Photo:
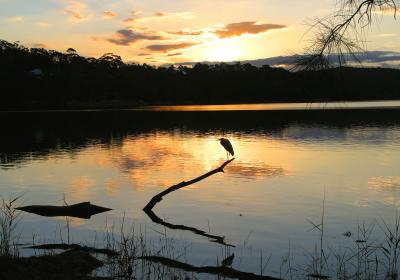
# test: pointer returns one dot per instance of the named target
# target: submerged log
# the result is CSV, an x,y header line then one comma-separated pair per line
x,y
224,271
77,247
83,210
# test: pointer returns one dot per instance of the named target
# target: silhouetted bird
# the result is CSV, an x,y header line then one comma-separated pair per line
x,y
227,145
228,261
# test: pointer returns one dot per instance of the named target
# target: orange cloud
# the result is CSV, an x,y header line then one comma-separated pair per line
x,y
126,37
77,11
134,15
246,27
74,14
186,33
175,54
159,16
169,47
129,20
109,14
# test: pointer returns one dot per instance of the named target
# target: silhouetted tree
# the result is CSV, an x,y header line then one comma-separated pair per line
x,y
39,78
343,32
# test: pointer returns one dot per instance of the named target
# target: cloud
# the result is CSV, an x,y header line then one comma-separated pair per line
x,y
134,15
175,54
109,14
43,24
158,16
186,33
38,46
15,19
128,21
77,11
126,37
246,27
386,35
169,47
75,15
386,10
387,59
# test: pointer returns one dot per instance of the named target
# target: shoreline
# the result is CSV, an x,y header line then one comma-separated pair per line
x,y
259,106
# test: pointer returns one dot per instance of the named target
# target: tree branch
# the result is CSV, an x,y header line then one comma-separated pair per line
x,y
148,209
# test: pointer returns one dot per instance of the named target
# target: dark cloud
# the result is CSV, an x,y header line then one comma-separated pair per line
x,y
374,58
126,37
129,20
175,54
246,27
387,59
169,47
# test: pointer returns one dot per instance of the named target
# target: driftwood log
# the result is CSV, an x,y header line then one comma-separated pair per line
x,y
148,209
83,210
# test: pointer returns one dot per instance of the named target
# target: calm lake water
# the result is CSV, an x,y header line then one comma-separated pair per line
x,y
286,161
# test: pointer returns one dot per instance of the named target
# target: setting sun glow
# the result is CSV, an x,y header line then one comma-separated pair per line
x,y
223,52
165,32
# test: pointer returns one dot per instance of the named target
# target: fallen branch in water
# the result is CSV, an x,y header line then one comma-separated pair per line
x,y
219,270
157,198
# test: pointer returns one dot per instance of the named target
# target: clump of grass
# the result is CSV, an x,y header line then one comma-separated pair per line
x,y
131,245
9,219
367,257
391,247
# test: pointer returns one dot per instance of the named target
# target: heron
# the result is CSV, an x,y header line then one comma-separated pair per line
x,y
227,146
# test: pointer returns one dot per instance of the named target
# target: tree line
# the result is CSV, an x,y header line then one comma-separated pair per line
x,y
37,78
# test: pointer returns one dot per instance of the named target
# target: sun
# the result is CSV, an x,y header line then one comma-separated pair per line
x,y
223,52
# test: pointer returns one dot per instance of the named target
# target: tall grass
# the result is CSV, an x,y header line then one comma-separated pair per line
x,y
365,256
9,219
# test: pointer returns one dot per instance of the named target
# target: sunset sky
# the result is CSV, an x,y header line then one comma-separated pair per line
x,y
159,31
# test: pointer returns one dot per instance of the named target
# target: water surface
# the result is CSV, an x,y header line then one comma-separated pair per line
x,y
286,162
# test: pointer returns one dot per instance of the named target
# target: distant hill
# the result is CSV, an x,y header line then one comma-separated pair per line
x,y
379,59
37,78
